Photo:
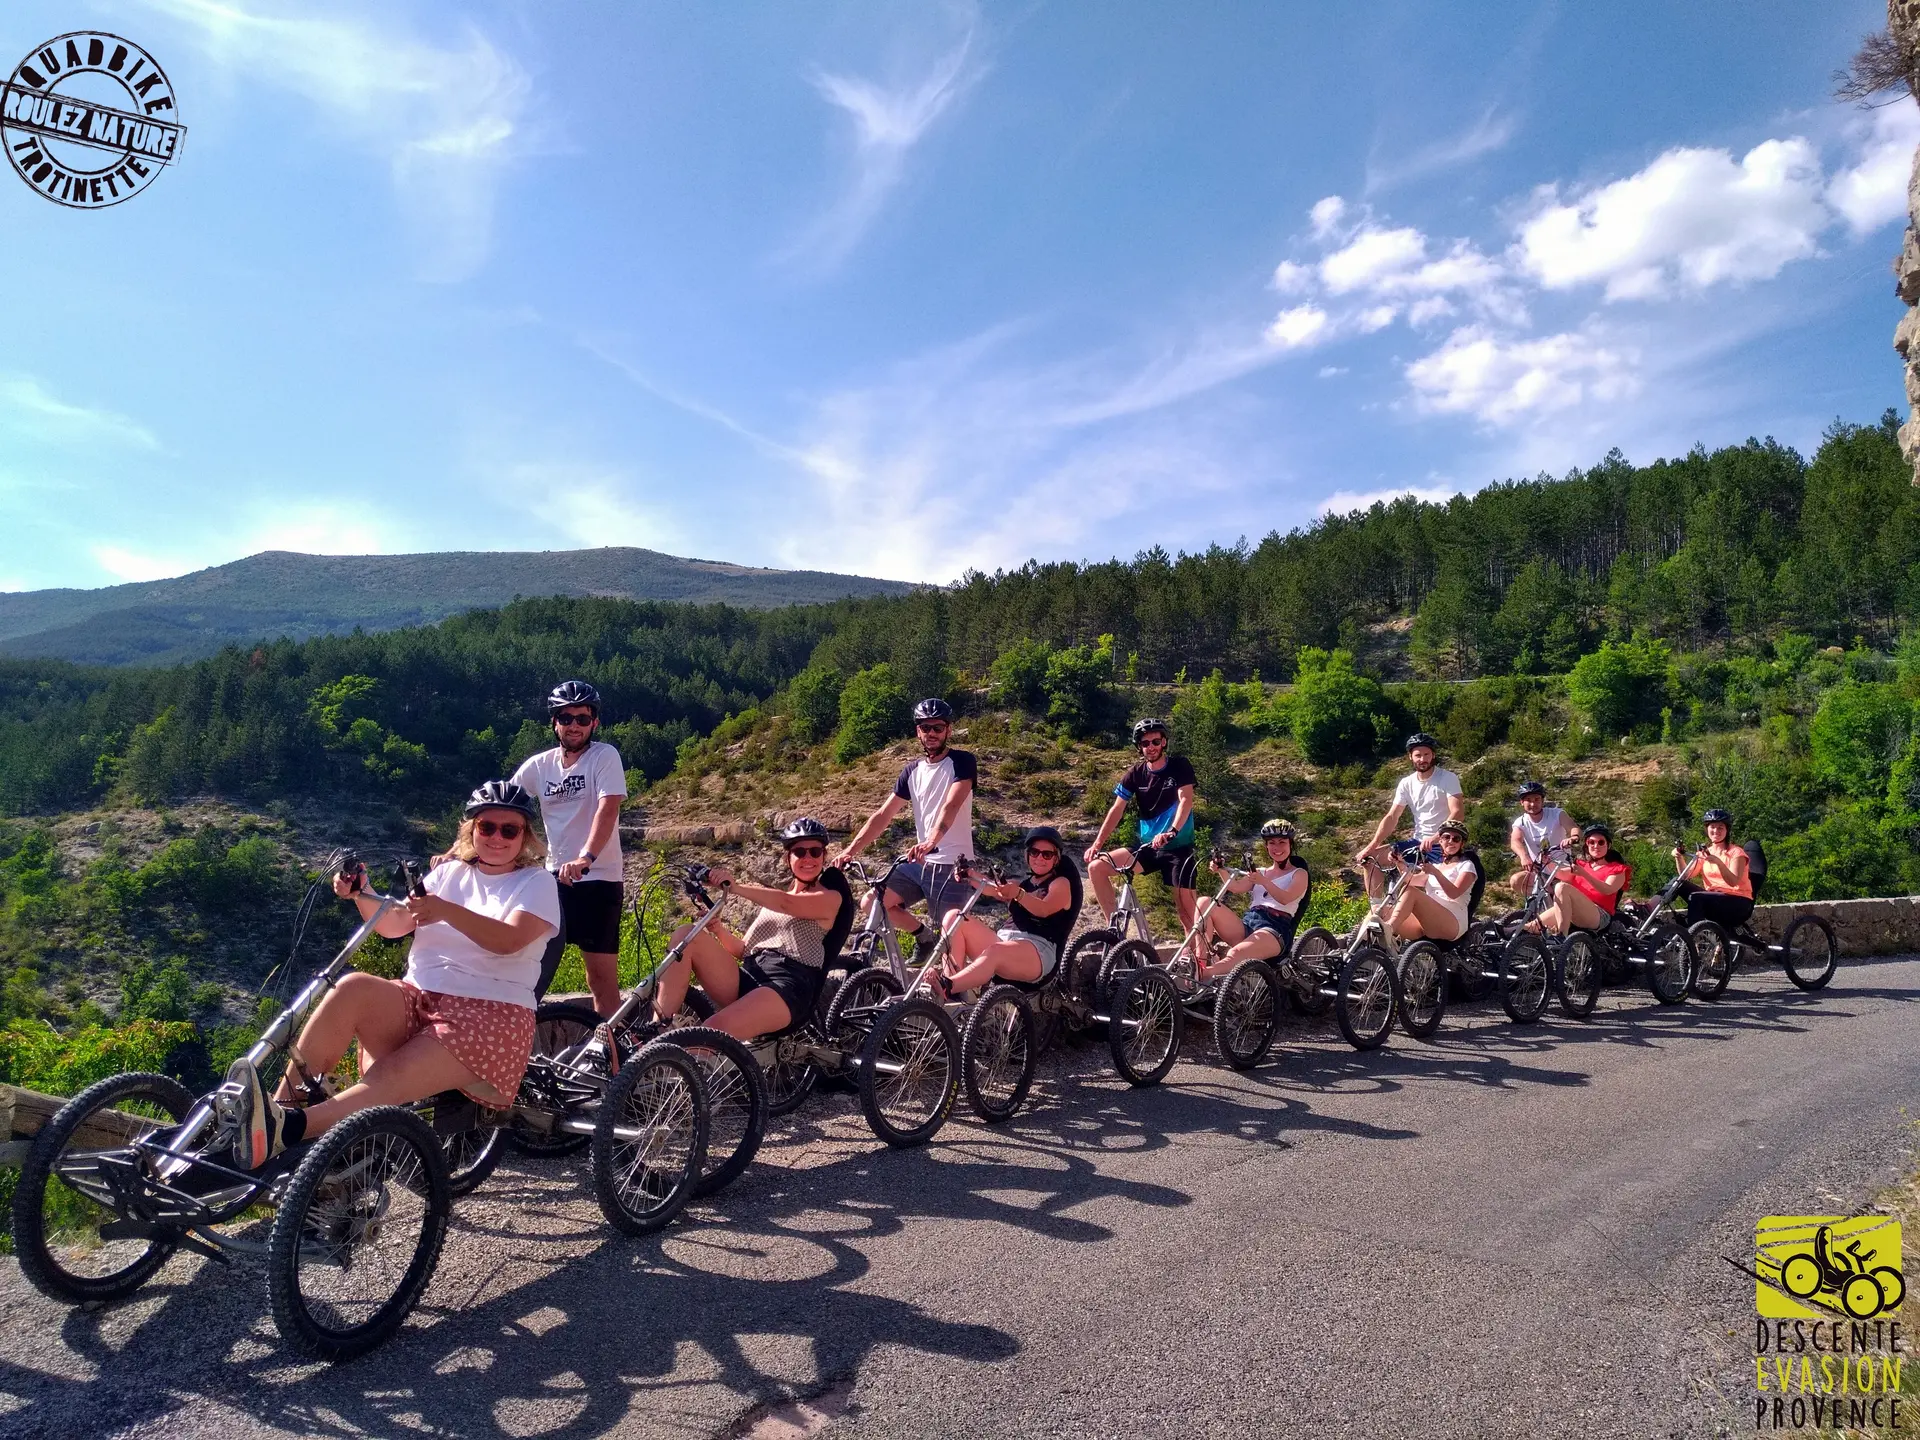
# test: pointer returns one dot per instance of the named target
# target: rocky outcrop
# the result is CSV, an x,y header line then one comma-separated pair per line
x,y
1903,26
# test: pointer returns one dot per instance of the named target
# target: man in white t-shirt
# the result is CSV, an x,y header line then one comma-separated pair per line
x,y
1538,828
1431,795
939,787
580,785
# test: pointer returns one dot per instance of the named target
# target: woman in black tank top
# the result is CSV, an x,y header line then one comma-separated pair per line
x,y
1042,907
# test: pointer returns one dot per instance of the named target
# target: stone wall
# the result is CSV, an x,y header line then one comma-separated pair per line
x,y
1863,927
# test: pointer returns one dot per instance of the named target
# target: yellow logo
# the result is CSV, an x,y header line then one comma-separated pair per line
x,y
1827,1266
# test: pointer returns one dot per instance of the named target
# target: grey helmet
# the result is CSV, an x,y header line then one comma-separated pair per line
x,y
1145,727
932,708
501,795
1532,787
573,692
804,828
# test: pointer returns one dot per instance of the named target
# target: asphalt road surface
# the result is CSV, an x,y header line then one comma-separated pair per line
x,y
1499,1233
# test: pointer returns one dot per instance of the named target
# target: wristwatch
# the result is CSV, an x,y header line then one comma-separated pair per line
x,y
588,856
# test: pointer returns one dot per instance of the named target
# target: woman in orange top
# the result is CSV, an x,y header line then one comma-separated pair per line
x,y
1585,892
1725,891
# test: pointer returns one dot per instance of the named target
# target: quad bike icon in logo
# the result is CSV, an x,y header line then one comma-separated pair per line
x,y
1843,1269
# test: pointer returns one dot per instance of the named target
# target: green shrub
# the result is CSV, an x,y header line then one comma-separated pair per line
x,y
874,709
1335,707
1622,687
1201,720
1853,852
1856,734
1077,686
35,1055
1476,721
1018,675
813,702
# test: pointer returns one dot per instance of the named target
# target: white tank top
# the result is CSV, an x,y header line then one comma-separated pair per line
x,y
1264,899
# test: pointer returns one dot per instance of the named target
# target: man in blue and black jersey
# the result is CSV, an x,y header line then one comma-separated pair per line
x,y
1160,788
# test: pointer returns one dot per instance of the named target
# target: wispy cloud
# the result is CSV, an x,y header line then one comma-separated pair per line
x,y
1487,134
27,408
131,565
446,118
1345,502
888,121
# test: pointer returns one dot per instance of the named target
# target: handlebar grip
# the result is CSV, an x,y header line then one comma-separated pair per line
x,y
414,885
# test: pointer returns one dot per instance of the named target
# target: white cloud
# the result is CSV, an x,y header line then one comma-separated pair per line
x,y
1326,216
1489,133
1434,307
11,584
1372,256
27,408
1873,192
445,118
887,123
1291,278
1694,217
129,565
1300,326
1499,381
1327,372
1376,318
316,530
1345,502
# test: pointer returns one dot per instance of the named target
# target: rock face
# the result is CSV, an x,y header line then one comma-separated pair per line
x,y
1903,25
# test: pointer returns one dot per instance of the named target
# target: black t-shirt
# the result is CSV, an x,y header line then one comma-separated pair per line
x,y
1057,926
1155,793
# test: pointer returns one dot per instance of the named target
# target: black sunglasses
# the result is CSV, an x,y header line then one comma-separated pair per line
x,y
575,717
808,852
506,830
1043,852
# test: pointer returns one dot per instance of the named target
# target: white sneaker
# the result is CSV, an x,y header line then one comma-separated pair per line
x,y
258,1122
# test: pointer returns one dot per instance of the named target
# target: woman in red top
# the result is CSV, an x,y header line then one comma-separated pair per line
x,y
1585,892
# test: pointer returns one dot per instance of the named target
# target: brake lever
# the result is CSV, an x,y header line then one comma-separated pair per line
x,y
410,878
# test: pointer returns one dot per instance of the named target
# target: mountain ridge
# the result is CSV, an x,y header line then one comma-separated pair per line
x,y
287,593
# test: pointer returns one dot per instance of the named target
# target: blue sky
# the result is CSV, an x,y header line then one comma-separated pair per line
x,y
905,290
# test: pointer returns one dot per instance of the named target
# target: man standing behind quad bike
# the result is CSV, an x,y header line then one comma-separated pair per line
x,y
580,785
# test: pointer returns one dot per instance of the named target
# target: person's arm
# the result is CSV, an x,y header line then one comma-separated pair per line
x,y
1182,812
1050,901
1239,884
876,822
1114,812
956,796
1605,884
1290,885
819,906
1519,847
393,925
501,937
606,816
1451,888
1456,806
1731,871
1389,822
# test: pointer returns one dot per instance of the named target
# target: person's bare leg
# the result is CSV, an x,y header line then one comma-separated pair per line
x,y
1434,920
419,1068
1260,945
361,1006
758,1012
603,979
671,991
1003,959
1100,877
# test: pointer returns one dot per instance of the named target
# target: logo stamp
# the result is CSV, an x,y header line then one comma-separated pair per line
x,y
88,120
1814,1266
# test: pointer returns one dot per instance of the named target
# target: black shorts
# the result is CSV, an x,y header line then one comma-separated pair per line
x,y
590,915
1729,912
1259,918
1175,864
798,985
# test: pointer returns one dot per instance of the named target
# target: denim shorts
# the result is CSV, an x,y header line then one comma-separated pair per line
x,y
1411,850
931,881
1049,956
1259,918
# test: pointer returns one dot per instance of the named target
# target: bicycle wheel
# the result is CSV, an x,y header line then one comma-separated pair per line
x,y
1080,966
1307,969
1146,1025
1127,955
997,1053
1713,959
1246,1012
650,1139
1526,977
558,1026
471,1155
1576,976
909,1072
56,1215
736,1103
1365,997
357,1235
1670,962
861,1000
1476,964
1809,953
1423,988
791,1073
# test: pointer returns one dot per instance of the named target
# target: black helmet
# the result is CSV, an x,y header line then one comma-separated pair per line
x,y
804,828
573,692
1419,738
1146,727
1718,816
1452,827
1531,787
1278,830
932,708
1046,833
501,795
1598,827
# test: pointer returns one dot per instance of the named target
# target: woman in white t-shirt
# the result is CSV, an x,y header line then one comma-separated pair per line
x,y
460,1019
1434,901
1275,893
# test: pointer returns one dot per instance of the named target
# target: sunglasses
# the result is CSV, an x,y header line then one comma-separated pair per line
x,y
932,727
1152,744
808,852
576,717
506,830
1041,852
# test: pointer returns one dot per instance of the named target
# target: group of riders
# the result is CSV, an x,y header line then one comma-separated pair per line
x,y
495,911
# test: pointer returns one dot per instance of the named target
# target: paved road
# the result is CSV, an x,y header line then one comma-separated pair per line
x,y
1502,1233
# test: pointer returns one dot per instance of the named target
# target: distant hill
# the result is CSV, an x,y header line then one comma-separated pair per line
x,y
277,592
